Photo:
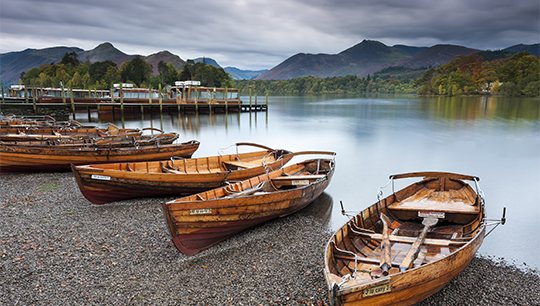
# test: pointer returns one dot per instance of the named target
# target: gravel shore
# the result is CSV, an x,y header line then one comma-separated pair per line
x,y
59,249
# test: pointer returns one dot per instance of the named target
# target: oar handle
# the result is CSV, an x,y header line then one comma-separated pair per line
x,y
386,261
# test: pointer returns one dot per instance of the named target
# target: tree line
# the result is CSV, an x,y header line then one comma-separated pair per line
x,y
70,72
517,75
341,85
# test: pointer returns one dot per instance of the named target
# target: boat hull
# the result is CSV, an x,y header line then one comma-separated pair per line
x,y
411,287
197,225
27,159
194,242
102,184
408,245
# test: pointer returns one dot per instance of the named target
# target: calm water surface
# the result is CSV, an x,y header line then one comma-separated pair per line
x,y
496,139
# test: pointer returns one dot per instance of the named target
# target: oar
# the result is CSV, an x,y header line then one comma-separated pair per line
x,y
386,262
415,248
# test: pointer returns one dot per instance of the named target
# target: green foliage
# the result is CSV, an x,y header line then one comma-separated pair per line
x,y
102,75
518,75
313,85
137,71
101,70
70,59
208,75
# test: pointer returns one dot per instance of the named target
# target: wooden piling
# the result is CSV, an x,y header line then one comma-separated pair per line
x,y
160,99
250,98
121,93
71,96
196,95
63,93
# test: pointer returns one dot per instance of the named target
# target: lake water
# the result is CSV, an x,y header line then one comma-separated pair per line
x,y
496,139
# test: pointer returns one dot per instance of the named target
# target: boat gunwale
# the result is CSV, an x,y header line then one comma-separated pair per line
x,y
349,287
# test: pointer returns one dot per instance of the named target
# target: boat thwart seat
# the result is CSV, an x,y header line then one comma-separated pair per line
x,y
452,205
239,164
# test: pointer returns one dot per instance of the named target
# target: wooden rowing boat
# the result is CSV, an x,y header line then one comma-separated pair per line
x,y
199,221
94,142
408,245
47,132
56,158
104,183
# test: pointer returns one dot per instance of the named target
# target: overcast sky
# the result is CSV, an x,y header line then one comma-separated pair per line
x,y
260,34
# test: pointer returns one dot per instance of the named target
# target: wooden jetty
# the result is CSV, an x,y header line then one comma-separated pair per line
x,y
186,96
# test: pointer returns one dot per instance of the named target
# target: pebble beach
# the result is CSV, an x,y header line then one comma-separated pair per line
x,y
56,248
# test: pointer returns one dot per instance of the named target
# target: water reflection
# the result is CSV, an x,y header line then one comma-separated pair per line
x,y
494,138
484,108
320,209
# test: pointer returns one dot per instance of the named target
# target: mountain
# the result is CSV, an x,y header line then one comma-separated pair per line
x,y
532,49
238,74
166,57
13,63
207,61
104,52
361,59
435,56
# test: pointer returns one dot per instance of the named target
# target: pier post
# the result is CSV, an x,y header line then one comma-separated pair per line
x,y
196,105
25,94
121,93
226,99
71,96
63,93
3,100
250,88
160,99
267,99
33,95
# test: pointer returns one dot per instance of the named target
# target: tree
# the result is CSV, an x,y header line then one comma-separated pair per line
x,y
86,81
137,70
162,70
111,76
98,70
76,80
70,59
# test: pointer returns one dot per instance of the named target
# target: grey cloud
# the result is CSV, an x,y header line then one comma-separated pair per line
x,y
257,34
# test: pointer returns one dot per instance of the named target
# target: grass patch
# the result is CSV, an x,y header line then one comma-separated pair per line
x,y
49,187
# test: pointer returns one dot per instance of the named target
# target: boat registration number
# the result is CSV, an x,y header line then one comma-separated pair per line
x,y
101,177
201,211
300,182
427,214
377,290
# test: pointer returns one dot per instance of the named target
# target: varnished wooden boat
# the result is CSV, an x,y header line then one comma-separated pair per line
x,y
56,158
104,183
199,221
94,142
53,132
408,245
